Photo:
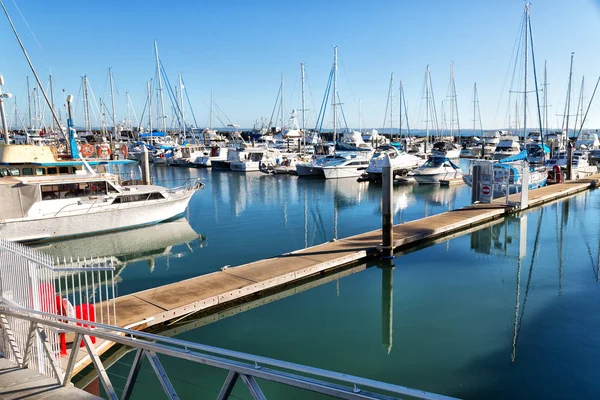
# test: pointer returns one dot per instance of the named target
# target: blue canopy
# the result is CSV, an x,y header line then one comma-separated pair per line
x,y
517,157
157,134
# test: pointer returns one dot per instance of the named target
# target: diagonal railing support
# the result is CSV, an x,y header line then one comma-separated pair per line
x,y
104,379
161,374
10,337
228,385
28,345
253,387
133,374
71,362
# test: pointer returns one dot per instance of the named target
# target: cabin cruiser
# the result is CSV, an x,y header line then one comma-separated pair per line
x,y
352,166
184,156
216,153
256,159
587,140
45,208
48,197
436,169
445,149
557,141
506,147
401,162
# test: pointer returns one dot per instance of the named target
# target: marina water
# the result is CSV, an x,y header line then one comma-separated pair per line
x,y
505,311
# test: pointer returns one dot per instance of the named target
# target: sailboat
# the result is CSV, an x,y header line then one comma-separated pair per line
x,y
508,154
446,148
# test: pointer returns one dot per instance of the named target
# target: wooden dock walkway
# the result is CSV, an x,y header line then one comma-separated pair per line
x,y
181,299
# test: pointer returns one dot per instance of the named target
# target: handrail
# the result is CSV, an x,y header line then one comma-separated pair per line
x,y
183,349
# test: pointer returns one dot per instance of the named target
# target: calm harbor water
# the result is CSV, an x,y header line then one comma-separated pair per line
x,y
506,311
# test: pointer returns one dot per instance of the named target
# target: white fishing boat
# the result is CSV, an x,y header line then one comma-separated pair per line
x,y
587,140
256,159
445,149
401,162
216,153
507,146
184,156
436,169
490,141
352,166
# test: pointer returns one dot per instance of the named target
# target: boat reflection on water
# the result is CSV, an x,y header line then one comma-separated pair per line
x,y
125,247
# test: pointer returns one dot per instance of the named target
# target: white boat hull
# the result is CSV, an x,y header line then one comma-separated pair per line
x,y
436,178
342,172
246,166
112,217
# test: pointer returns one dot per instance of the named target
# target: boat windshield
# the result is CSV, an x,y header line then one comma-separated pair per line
x,y
437,163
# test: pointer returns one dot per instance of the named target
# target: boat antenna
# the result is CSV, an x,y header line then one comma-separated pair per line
x,y
54,116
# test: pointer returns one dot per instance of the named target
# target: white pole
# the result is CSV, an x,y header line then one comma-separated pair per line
x,y
114,116
2,114
335,94
303,107
181,103
160,89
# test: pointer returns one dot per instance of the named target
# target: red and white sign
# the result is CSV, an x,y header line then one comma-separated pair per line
x,y
485,190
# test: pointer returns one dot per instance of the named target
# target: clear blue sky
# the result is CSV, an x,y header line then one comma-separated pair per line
x,y
238,49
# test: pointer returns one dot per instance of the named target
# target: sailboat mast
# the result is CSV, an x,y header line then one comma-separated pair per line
x,y
282,105
112,99
103,117
569,96
149,107
303,107
160,90
451,100
210,122
474,105
392,91
181,104
579,106
29,102
546,97
526,65
400,111
360,115
86,104
52,101
335,94
427,106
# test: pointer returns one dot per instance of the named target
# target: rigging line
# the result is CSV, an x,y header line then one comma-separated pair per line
x,y
97,117
516,46
225,115
588,108
529,276
30,30
323,108
189,102
537,93
275,106
348,81
387,104
171,94
342,110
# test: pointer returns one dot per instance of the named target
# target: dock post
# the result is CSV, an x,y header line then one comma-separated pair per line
x,y
387,217
145,166
569,160
482,148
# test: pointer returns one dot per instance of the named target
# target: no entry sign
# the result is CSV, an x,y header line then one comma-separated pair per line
x,y
486,190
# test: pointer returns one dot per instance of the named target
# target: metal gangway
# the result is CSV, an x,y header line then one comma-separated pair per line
x,y
32,324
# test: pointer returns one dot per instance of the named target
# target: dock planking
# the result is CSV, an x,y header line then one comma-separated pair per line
x,y
172,301
182,299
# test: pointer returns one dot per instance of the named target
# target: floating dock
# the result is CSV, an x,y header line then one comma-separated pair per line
x,y
219,289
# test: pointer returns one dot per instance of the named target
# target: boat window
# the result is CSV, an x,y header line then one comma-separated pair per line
x,y
14,171
51,171
432,163
130,198
63,170
256,156
4,172
39,171
27,171
70,190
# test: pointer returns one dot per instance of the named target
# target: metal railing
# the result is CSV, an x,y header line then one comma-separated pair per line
x,y
32,280
31,319
240,366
